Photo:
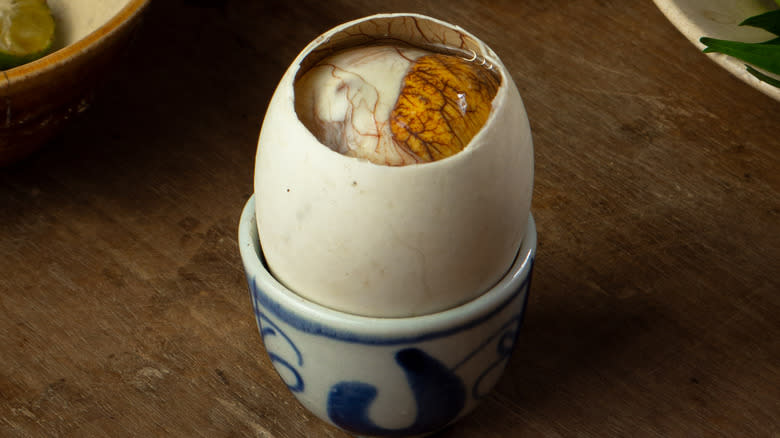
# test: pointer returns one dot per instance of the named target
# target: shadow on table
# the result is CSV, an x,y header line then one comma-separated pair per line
x,y
574,355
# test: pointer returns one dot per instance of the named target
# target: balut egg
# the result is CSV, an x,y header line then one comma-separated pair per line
x,y
394,169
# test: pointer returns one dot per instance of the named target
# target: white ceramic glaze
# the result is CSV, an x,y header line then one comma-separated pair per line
x,y
393,241
76,19
387,376
720,19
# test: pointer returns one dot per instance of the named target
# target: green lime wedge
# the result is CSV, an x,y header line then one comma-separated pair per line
x,y
26,31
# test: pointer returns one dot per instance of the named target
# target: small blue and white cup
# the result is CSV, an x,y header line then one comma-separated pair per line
x,y
398,377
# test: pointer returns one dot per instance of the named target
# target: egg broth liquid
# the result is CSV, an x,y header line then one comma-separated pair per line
x,y
396,104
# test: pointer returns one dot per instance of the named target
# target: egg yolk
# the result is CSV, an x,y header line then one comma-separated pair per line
x,y
395,105
444,102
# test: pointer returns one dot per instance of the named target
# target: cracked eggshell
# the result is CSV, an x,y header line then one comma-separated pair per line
x,y
392,241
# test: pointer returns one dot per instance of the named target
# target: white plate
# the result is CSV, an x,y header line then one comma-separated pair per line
x,y
720,19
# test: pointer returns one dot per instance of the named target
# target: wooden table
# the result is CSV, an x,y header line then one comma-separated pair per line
x,y
655,308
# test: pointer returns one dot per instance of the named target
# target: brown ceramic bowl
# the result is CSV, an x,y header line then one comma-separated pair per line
x,y
38,98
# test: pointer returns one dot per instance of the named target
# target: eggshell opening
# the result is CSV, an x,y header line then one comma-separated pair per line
x,y
392,241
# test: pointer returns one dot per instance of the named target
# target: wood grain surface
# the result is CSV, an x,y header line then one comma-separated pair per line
x,y
655,308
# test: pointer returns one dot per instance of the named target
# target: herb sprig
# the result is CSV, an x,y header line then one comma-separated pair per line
x,y
764,55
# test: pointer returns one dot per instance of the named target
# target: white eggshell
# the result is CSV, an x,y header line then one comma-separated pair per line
x,y
392,241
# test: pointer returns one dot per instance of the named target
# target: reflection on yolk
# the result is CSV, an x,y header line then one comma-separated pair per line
x,y
443,104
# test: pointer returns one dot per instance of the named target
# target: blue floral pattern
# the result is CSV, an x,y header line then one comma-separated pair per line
x,y
268,328
438,391
440,394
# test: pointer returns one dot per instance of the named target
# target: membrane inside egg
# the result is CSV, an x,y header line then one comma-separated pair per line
x,y
395,105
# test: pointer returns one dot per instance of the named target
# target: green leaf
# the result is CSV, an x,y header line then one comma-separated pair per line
x,y
765,56
762,77
769,21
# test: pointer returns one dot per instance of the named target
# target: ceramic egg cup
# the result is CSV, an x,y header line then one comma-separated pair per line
x,y
373,376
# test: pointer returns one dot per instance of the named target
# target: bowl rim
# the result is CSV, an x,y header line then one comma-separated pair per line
x,y
689,23
53,59
317,319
